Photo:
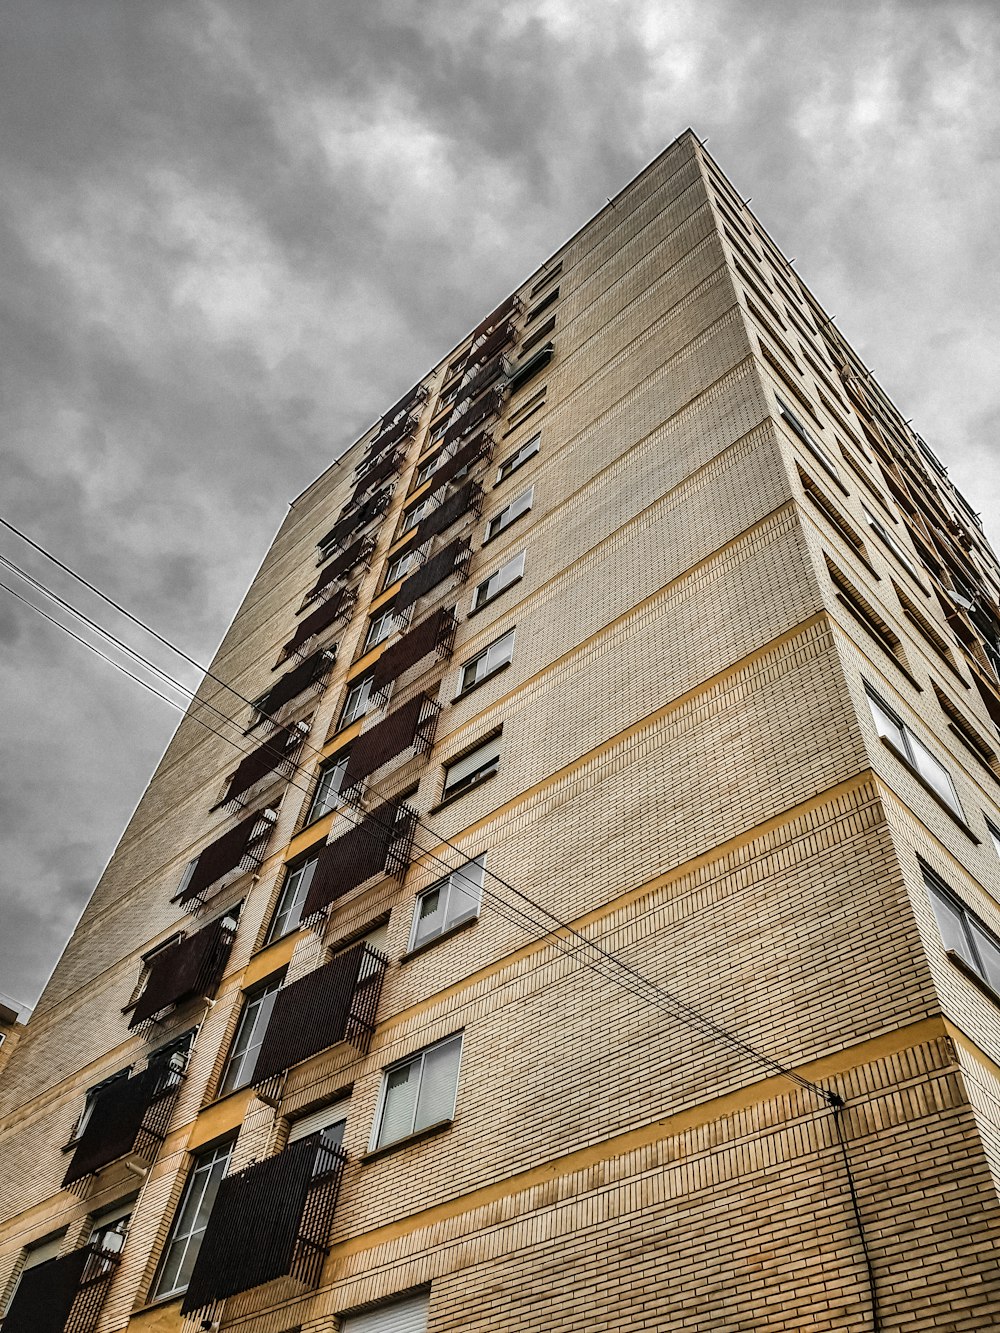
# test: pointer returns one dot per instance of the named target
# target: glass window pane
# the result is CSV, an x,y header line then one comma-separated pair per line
x,y
466,891
951,924
887,725
192,1218
486,755
327,795
400,1102
934,773
988,949
438,1084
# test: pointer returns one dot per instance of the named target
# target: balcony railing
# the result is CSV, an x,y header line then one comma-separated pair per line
x,y
270,1220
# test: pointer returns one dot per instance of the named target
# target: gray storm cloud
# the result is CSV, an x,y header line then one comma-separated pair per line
x,y
230,235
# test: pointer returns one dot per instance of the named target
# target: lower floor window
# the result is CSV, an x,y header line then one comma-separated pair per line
x,y
191,1220
418,1092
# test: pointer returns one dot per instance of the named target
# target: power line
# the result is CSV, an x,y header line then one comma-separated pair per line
x,y
640,986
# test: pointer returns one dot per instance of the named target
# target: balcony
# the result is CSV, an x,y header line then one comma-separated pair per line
x,y
63,1295
270,1220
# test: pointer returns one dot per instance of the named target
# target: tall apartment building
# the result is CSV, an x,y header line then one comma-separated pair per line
x,y
592,919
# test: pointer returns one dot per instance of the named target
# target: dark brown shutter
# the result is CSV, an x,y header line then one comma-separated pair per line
x,y
296,682
342,564
379,844
312,1014
393,433
480,377
467,456
483,408
432,572
385,467
397,732
410,400
277,754
341,531
241,845
192,966
449,512
502,312
430,634
45,1295
262,1226
114,1124
325,615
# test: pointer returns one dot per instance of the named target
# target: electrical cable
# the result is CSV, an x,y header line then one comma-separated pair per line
x,y
625,976
638,985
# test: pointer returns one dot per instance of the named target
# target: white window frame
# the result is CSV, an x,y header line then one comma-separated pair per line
x,y
808,439
413,515
397,568
205,1163
332,771
288,912
519,457
464,882
261,1002
417,1058
356,702
913,752
509,573
427,470
509,514
380,627
976,941
475,776
488,662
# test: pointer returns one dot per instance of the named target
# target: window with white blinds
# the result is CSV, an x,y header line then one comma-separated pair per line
x,y
406,1316
328,1117
418,1092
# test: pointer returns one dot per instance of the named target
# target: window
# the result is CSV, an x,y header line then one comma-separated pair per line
x,y
288,913
911,749
809,440
507,516
962,932
110,1231
472,768
427,471
406,1316
526,451
542,305
329,1120
39,1253
192,1218
886,537
356,703
527,409
539,335
994,833
398,567
380,627
486,663
418,1092
91,1100
448,903
326,797
413,515
250,1030
499,581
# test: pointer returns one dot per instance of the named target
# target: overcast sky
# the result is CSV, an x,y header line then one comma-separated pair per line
x,y
231,234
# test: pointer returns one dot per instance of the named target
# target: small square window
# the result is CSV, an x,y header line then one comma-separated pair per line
x,y
472,768
507,516
486,663
418,1092
519,457
427,471
413,515
448,903
499,581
